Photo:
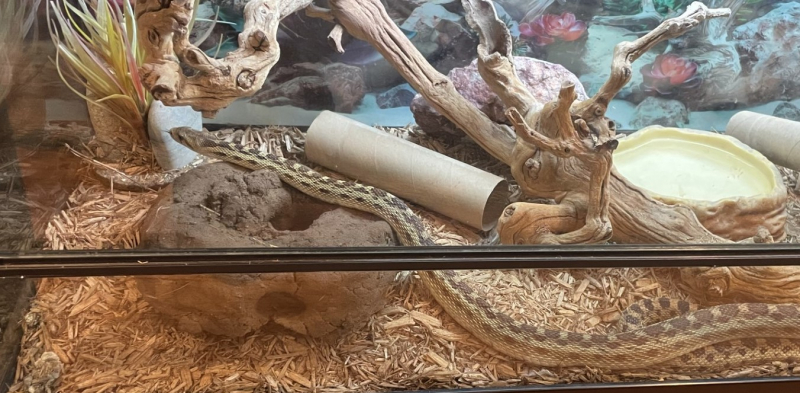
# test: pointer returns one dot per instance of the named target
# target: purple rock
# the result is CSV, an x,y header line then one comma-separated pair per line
x,y
770,44
543,80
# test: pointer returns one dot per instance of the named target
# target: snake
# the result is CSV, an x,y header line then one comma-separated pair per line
x,y
719,337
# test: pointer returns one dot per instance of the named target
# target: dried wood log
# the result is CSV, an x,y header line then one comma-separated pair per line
x,y
496,64
215,83
368,21
718,285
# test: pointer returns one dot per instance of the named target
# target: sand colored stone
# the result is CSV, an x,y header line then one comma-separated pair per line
x,y
217,206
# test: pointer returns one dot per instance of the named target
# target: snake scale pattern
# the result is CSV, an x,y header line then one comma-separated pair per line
x,y
715,338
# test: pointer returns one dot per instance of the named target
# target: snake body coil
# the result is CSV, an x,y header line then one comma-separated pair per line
x,y
719,337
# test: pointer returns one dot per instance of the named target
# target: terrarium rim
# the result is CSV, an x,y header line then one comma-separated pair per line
x,y
81,263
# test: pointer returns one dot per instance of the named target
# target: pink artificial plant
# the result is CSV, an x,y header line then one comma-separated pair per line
x,y
668,72
546,29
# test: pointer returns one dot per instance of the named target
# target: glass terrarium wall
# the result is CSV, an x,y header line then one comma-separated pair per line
x,y
39,116
36,110
696,81
80,178
350,331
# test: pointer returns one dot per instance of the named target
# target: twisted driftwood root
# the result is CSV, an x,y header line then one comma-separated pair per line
x,y
718,285
576,141
164,36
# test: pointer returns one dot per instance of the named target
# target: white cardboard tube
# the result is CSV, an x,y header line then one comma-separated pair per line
x,y
412,172
776,138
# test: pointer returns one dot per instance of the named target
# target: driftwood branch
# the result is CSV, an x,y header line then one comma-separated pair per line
x,y
626,53
335,38
635,217
557,114
368,21
216,83
495,60
320,12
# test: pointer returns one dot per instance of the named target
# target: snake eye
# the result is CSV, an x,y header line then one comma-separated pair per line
x,y
176,135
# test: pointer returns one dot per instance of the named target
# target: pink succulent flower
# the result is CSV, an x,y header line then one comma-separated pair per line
x,y
669,71
545,29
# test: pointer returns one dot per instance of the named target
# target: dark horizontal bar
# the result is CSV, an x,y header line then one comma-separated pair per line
x,y
749,385
141,262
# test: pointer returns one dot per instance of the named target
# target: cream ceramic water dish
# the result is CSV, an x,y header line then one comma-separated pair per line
x,y
732,188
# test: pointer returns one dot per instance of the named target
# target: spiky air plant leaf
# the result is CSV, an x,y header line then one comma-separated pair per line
x,y
98,55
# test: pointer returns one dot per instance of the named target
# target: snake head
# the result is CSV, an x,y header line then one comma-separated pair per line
x,y
184,135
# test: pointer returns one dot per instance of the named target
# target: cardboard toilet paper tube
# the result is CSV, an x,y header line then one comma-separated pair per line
x,y
776,138
412,172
